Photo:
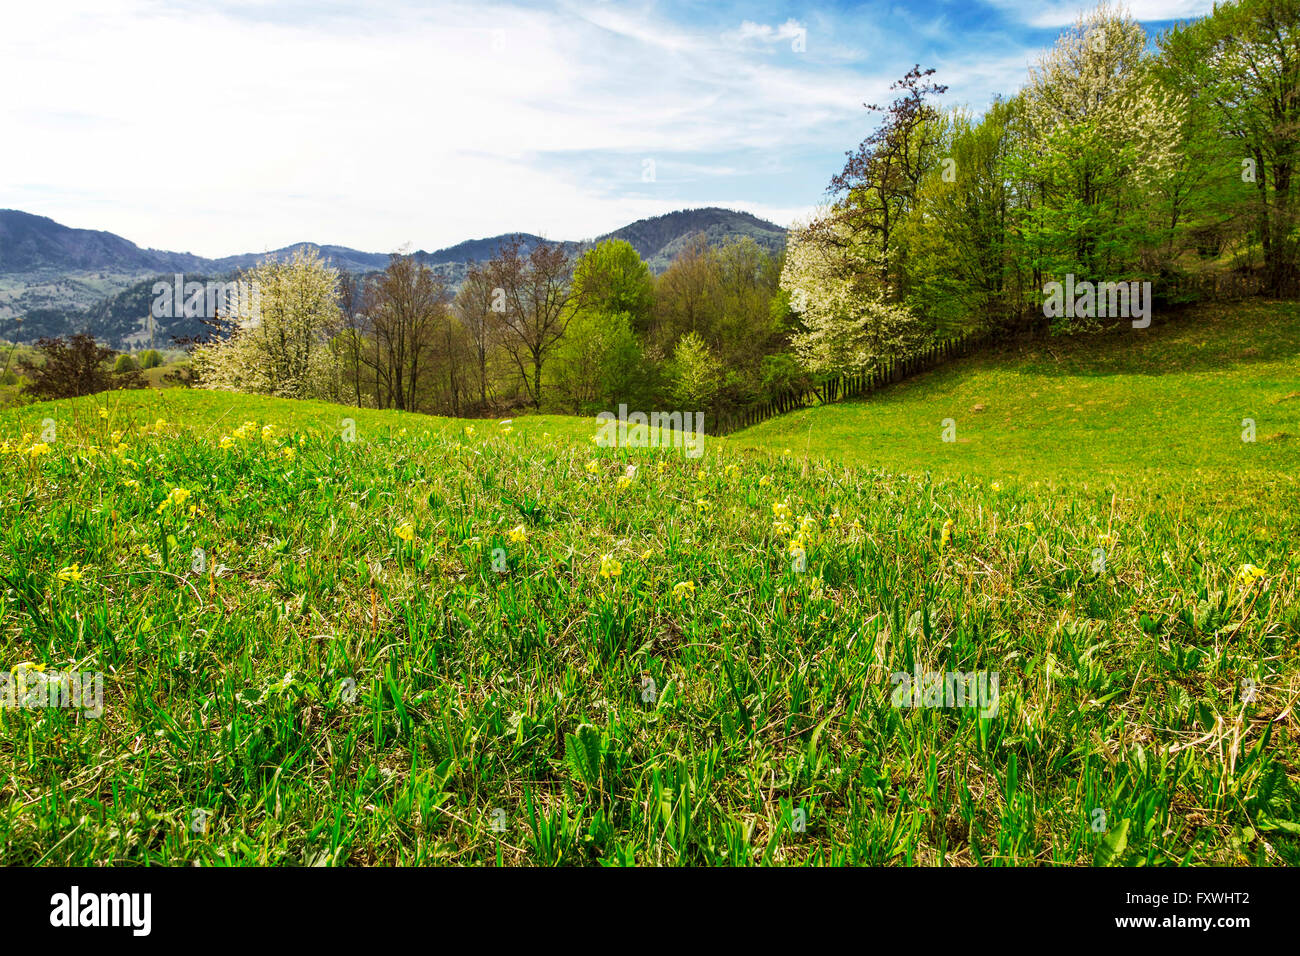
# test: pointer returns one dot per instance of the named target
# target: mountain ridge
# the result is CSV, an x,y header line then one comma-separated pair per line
x,y
57,280
31,243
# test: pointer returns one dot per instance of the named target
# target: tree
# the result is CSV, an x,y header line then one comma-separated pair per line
x,y
878,184
408,309
473,308
352,309
955,265
696,374
539,301
686,293
611,278
275,342
1096,142
78,366
847,325
1242,66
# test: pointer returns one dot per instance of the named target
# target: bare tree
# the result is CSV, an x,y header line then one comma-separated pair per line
x,y
407,305
474,310
352,306
539,300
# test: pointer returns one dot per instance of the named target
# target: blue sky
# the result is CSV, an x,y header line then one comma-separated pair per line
x,y
224,126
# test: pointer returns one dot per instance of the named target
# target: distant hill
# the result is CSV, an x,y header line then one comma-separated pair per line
x,y
341,257
478,250
660,239
36,244
120,320
61,280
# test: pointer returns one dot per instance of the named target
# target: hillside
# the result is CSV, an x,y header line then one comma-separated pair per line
x,y
34,244
1167,400
659,239
356,636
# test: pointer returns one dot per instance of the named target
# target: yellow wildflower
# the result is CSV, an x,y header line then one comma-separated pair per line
x,y
405,531
175,499
71,574
609,567
518,534
684,589
1249,573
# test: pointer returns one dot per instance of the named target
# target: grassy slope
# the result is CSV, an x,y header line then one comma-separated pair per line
x,y
526,691
1164,401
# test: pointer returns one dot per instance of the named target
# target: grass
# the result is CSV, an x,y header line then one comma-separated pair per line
x,y
1153,404
326,692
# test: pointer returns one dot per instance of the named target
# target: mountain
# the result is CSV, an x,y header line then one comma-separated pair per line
x,y
660,239
478,250
35,244
58,280
341,257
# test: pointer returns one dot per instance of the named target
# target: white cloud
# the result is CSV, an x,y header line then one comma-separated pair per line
x,y
223,126
225,130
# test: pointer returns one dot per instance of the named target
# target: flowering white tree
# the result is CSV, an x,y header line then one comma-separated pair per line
x,y
847,324
278,341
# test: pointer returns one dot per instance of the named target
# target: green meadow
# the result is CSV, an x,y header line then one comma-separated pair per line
x,y
1158,404
334,636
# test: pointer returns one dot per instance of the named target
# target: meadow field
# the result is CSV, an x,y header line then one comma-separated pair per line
x,y
337,636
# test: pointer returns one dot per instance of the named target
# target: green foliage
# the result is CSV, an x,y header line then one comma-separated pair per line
x,y
696,374
150,358
73,367
610,278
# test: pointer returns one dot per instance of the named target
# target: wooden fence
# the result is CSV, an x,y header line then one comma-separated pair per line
x,y
1212,286
841,387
